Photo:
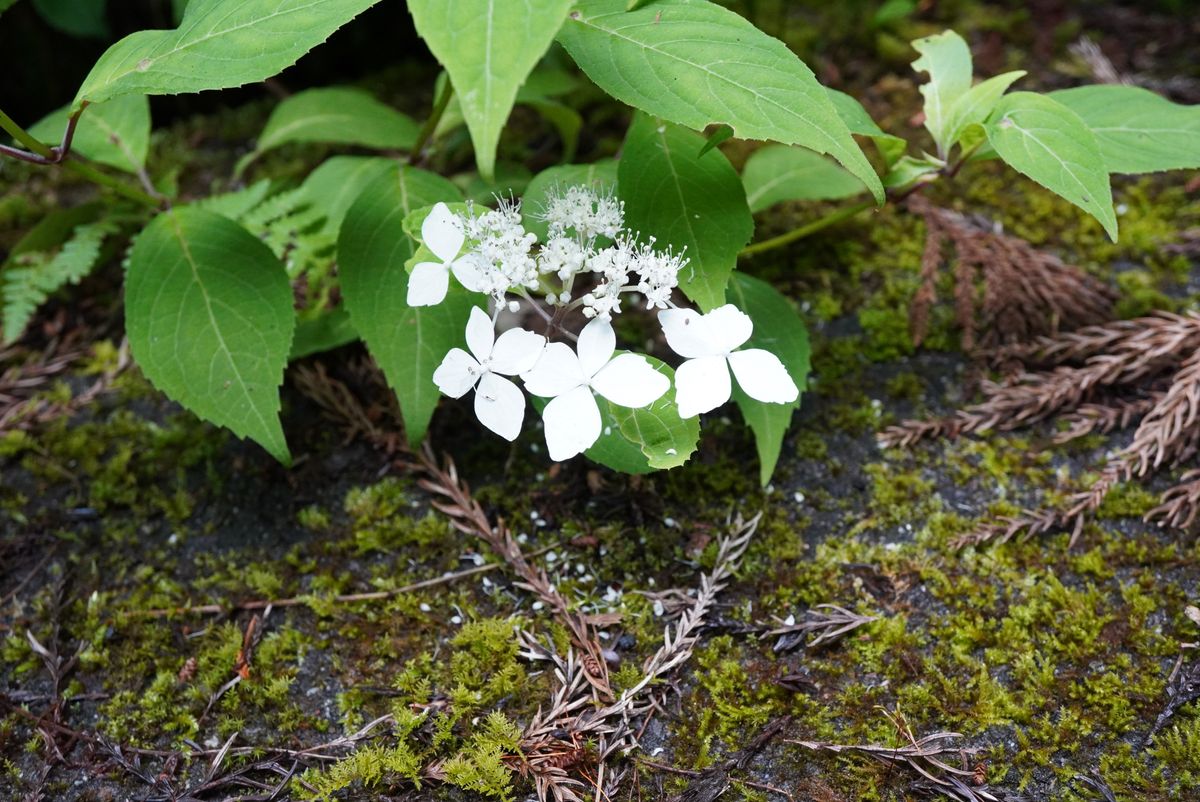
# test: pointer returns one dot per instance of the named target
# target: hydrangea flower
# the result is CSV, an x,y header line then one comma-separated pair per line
x,y
499,404
429,281
708,343
571,379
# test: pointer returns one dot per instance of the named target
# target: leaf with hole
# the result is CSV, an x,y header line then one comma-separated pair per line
x,y
1043,139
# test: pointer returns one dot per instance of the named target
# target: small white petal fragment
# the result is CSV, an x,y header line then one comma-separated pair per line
x,y
441,234
597,342
702,385
763,376
500,405
572,423
727,327
686,333
630,381
427,284
480,334
557,371
516,351
457,373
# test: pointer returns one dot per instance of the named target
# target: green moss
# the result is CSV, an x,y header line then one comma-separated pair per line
x,y
1127,500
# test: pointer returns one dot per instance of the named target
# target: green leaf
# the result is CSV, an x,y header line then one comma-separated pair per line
x,y
408,343
665,439
489,49
116,133
778,329
723,133
908,171
340,116
859,122
695,204
947,59
639,441
324,332
85,18
601,176
1043,139
29,278
1138,131
218,44
974,106
208,310
780,173
695,63
335,185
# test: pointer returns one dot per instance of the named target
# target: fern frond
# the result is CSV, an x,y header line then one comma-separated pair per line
x,y
35,276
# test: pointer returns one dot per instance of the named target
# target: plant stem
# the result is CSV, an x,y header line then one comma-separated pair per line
x,y
22,136
60,156
431,123
833,218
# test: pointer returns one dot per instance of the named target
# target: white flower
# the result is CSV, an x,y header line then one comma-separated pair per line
x,y
442,234
499,404
708,342
572,418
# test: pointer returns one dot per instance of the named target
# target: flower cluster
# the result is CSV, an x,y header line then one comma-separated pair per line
x,y
588,263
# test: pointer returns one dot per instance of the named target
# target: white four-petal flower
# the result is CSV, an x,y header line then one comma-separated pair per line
x,y
429,281
572,418
499,404
708,342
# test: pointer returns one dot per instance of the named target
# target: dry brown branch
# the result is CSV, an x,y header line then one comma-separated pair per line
x,y
1180,504
469,517
552,742
820,625
22,404
1105,417
347,598
1026,292
926,757
1097,379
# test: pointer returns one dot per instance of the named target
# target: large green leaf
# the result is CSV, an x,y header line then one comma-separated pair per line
x,y
780,173
695,63
694,203
778,329
208,310
1043,139
1138,131
116,133
408,343
218,44
947,59
489,48
600,176
337,115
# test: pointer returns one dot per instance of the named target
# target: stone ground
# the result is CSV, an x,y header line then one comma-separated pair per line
x,y
1050,661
